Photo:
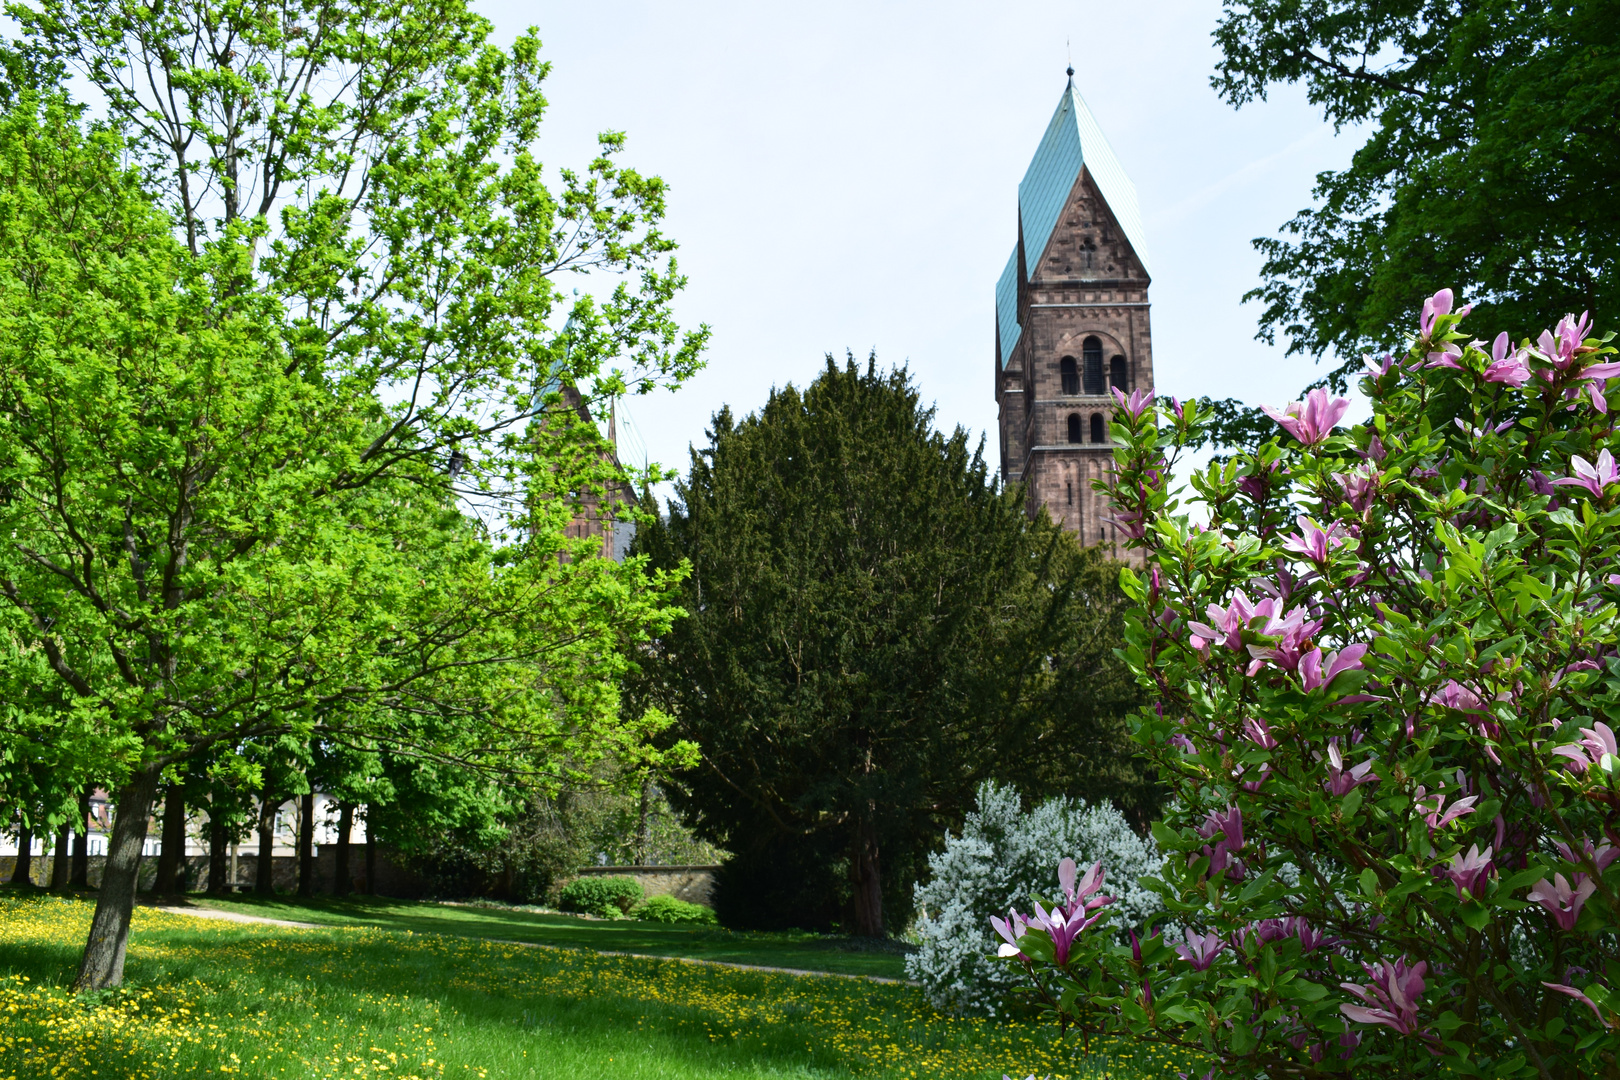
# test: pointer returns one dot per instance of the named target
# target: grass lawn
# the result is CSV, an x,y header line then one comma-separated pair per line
x,y
808,952
208,998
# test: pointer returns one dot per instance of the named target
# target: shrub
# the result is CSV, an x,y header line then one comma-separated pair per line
x,y
1002,858
604,896
1388,661
667,909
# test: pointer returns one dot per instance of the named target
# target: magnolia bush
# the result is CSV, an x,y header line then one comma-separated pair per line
x,y
1002,858
1385,672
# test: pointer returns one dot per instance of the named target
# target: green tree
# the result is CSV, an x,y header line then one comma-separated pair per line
x,y
874,628
234,459
1492,144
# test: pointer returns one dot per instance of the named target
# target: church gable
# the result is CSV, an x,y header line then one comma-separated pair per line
x,y
1087,241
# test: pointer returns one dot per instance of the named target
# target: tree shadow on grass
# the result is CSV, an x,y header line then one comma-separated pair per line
x,y
805,951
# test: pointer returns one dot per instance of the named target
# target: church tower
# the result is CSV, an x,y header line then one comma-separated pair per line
x,y
1071,320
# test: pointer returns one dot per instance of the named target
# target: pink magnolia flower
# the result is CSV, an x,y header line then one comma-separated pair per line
x,y
1601,856
1469,873
1596,376
1562,900
1376,369
1065,922
1310,665
1294,926
1313,542
1433,815
1435,306
1130,524
1227,625
1445,357
1201,950
1341,781
1259,732
1392,999
1507,365
1561,344
1360,487
1312,420
1011,929
1606,1021
1228,824
1136,404
1593,478
1597,742
1293,636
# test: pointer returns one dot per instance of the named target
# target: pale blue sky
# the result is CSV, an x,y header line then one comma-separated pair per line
x,y
844,175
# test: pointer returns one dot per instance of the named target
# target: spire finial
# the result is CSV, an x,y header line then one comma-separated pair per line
x,y
1069,48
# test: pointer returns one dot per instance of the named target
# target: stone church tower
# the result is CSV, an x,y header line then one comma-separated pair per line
x,y
1071,320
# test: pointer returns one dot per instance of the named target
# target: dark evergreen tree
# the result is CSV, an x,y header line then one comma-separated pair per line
x,y
1492,143
874,627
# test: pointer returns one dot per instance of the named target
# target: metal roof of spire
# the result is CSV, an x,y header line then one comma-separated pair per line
x,y
1072,141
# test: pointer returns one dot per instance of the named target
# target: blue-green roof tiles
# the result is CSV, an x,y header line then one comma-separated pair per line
x,y
1072,141
1007,328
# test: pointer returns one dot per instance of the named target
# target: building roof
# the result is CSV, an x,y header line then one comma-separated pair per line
x,y
1072,141
1007,328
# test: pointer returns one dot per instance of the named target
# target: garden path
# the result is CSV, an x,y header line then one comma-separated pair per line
x,y
236,916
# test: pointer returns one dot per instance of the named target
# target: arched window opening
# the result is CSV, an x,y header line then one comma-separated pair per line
x,y
1074,428
1071,375
1070,487
1092,355
1096,427
1116,373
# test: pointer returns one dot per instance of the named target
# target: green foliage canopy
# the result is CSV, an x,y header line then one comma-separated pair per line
x,y
249,389
1488,167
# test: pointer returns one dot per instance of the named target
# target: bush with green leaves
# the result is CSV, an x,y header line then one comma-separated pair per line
x,y
608,897
1002,858
668,909
1387,666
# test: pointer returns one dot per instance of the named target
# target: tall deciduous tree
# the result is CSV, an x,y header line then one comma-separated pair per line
x,y
235,421
874,628
1491,150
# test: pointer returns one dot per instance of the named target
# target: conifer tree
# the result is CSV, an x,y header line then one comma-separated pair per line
x,y
874,626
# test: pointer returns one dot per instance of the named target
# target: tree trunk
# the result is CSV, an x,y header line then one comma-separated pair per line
x,y
171,867
59,864
22,873
867,882
264,878
306,846
345,823
81,845
219,844
103,963
641,823
371,862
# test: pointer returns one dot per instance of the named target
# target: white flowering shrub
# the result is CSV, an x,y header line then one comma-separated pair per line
x,y
1003,858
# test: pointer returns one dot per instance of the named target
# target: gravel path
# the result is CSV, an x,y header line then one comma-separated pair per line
x,y
233,916
238,917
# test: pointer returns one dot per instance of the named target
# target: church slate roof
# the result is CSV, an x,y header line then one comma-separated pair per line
x,y
1072,140
1007,328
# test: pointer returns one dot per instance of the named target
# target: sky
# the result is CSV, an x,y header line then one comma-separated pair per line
x,y
843,176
